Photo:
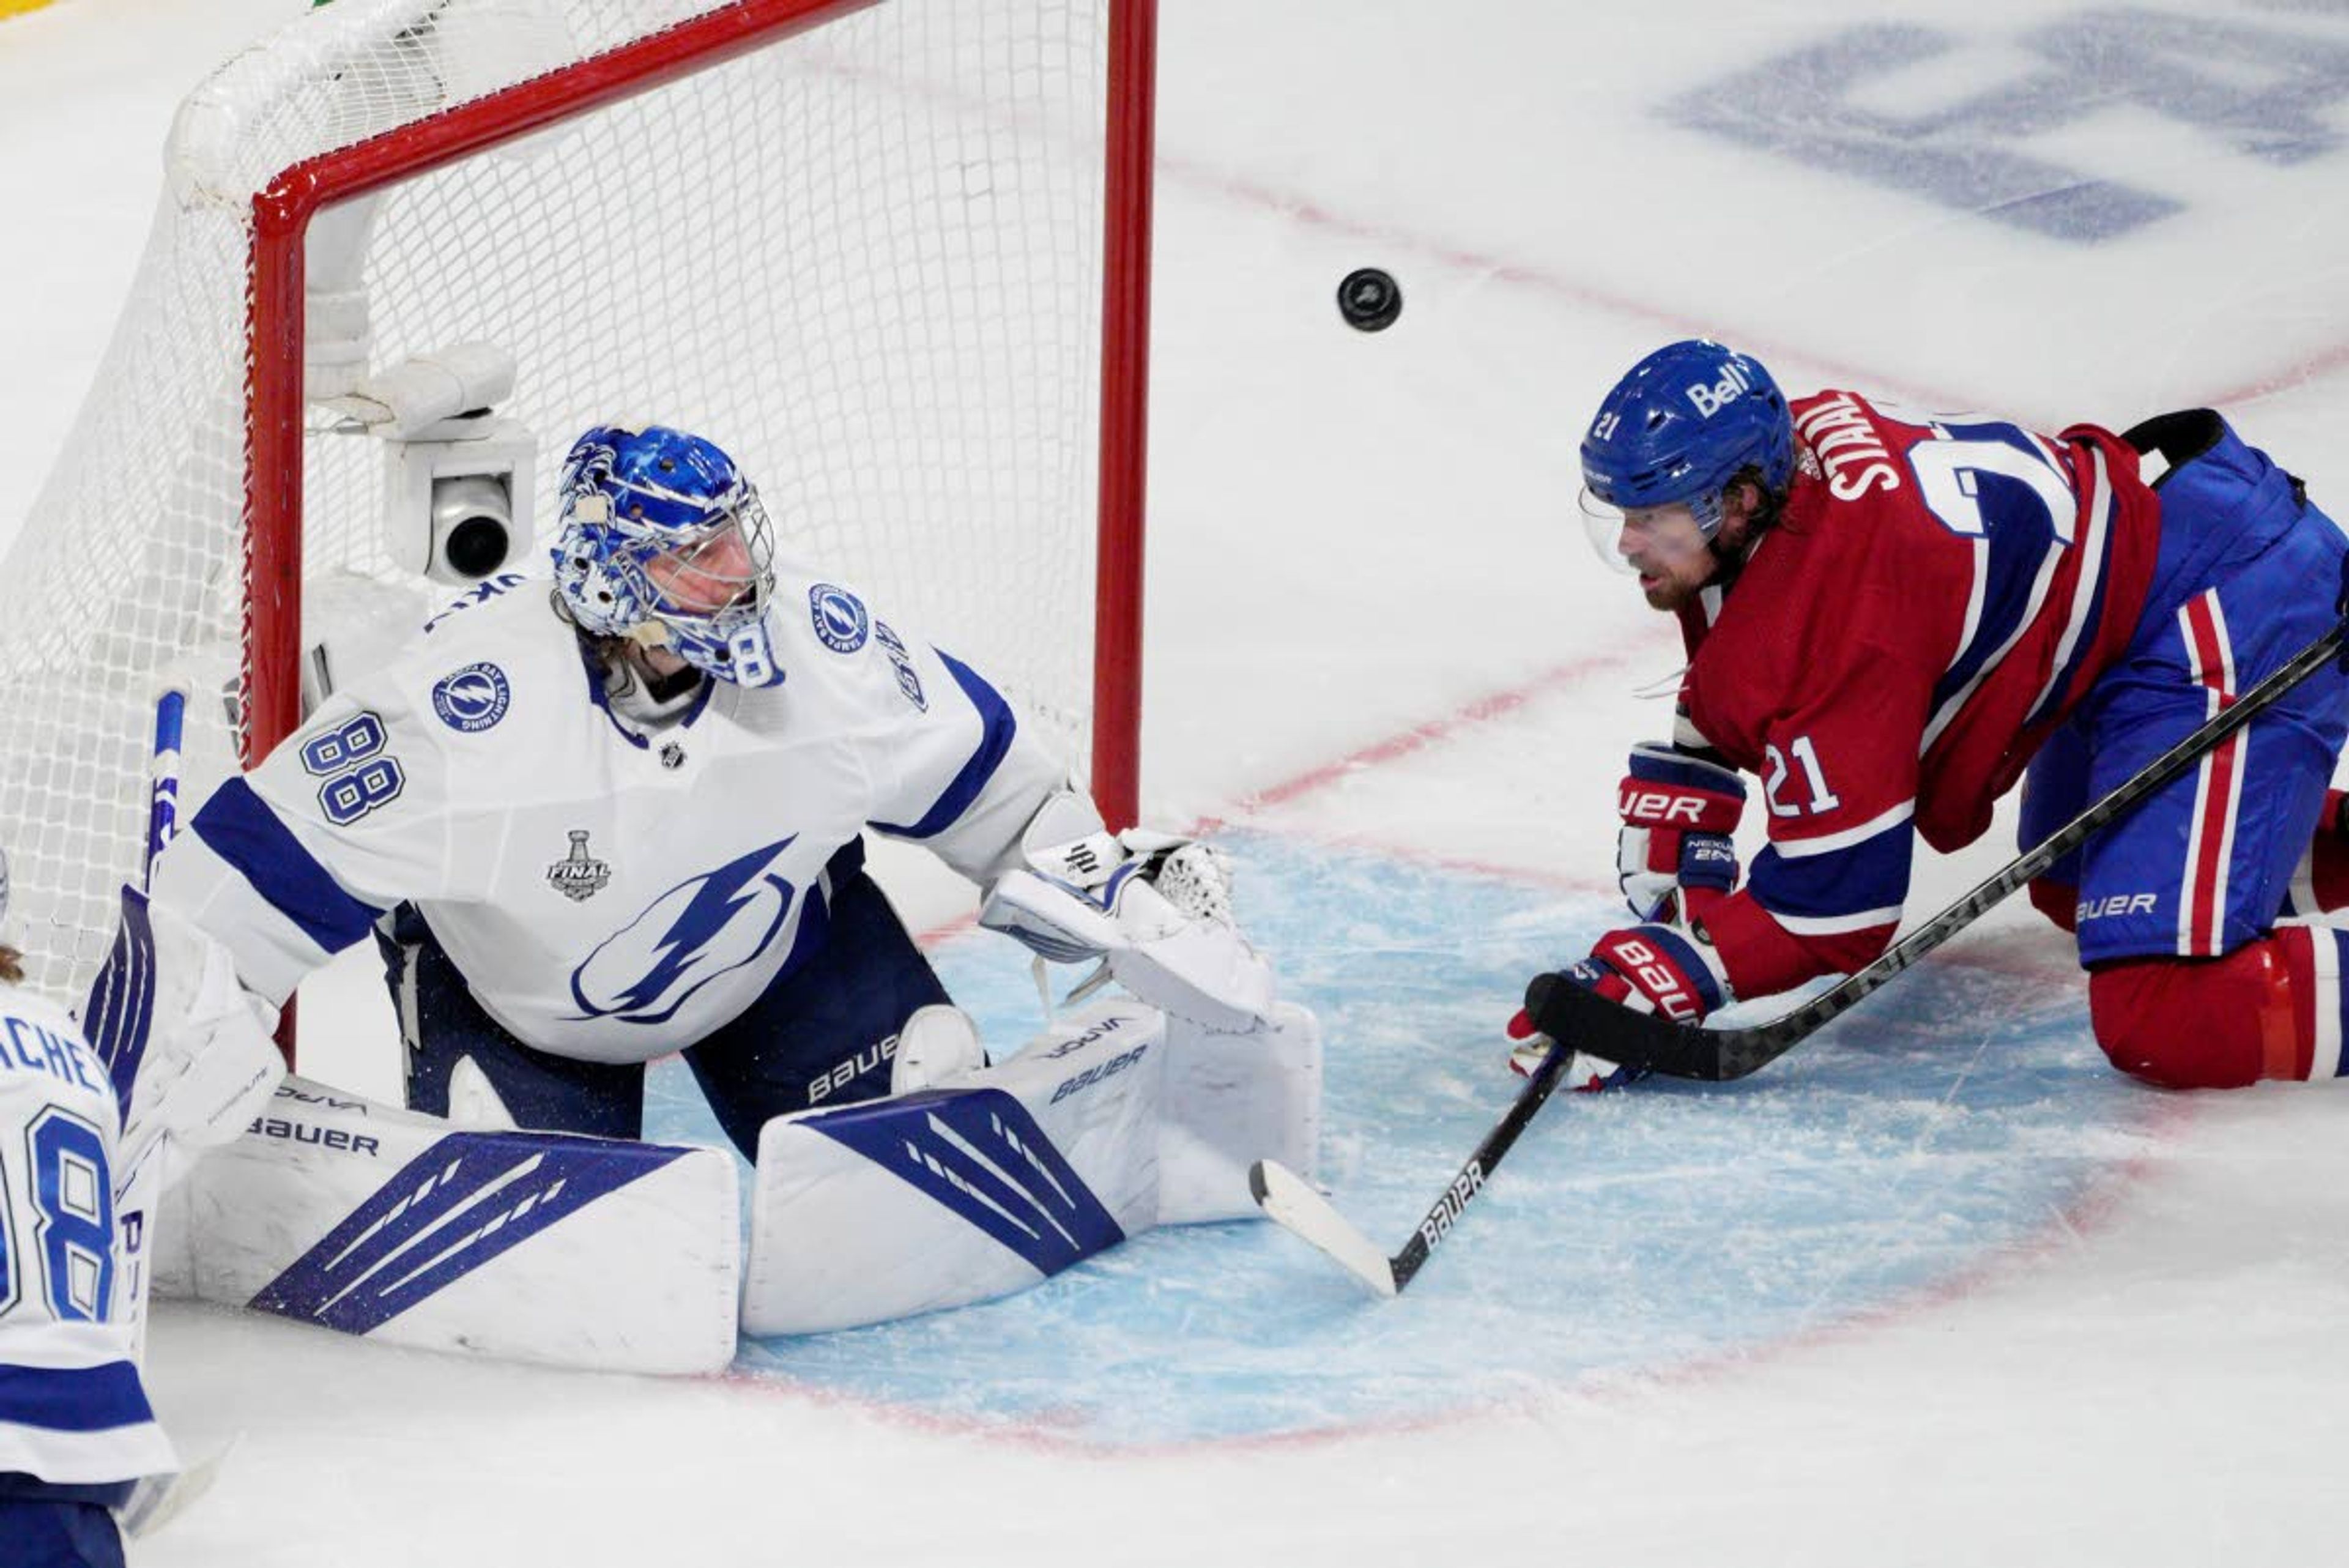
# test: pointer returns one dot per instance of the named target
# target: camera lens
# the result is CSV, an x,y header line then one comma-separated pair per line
x,y
476,546
471,520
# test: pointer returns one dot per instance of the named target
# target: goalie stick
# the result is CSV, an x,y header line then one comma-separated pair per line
x,y
1290,1201
163,777
156,1500
1564,1012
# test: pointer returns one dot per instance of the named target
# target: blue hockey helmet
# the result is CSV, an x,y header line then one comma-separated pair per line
x,y
664,541
1679,426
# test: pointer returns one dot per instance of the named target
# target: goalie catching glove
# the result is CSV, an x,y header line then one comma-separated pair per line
x,y
1155,907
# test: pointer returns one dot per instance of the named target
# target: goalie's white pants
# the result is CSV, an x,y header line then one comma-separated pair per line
x,y
986,1183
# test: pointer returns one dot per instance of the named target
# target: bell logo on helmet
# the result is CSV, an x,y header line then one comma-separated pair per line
x,y
1733,384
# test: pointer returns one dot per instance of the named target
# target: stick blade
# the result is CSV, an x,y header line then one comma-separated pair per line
x,y
1289,1202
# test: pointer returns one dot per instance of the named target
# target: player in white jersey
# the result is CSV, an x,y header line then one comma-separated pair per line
x,y
596,824
75,1427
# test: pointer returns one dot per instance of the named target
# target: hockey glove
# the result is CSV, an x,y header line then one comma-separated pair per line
x,y
1652,969
1673,856
1585,1075
1160,916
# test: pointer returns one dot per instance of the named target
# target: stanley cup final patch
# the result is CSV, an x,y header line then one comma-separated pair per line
x,y
578,876
840,618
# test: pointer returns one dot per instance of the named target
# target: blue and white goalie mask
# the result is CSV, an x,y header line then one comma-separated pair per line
x,y
664,542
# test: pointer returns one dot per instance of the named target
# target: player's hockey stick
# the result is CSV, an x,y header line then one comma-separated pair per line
x,y
1291,1201
1567,1012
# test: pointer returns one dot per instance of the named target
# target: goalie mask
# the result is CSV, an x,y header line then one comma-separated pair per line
x,y
665,543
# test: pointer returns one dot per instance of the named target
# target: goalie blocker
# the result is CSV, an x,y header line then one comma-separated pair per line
x,y
610,1254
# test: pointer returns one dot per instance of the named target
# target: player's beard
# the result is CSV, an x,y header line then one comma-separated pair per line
x,y
1671,592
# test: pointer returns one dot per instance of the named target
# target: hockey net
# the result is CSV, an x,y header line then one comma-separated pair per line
x,y
863,247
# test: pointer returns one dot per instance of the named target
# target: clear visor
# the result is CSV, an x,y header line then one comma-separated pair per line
x,y
1602,521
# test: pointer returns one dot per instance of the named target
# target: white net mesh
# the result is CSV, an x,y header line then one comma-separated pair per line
x,y
865,259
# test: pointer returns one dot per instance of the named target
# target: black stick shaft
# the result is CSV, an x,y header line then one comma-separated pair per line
x,y
1473,1176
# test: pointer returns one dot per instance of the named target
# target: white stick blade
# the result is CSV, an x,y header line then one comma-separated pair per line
x,y
1289,1202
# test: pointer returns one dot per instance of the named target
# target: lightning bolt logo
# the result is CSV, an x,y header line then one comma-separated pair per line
x,y
699,938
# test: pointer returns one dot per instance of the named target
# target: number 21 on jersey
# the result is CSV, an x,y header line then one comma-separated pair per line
x,y
1808,777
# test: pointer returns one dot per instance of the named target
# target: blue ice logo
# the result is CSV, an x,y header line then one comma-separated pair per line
x,y
701,931
839,616
473,699
2260,93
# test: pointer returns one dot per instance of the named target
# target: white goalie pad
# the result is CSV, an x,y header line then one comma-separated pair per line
x,y
543,1247
1230,1101
993,1180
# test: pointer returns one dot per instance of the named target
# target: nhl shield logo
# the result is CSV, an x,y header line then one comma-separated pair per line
x,y
578,876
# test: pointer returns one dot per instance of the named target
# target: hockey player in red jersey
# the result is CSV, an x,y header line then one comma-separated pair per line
x,y
1892,618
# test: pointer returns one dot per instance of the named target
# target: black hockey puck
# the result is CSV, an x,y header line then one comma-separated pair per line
x,y
1370,299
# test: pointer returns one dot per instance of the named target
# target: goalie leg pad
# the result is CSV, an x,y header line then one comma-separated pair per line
x,y
542,1247
1232,1100
964,1193
938,1044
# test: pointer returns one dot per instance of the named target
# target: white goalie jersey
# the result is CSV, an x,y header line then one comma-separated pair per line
x,y
612,891
72,1409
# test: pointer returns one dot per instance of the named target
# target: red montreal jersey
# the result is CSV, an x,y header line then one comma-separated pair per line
x,y
1939,593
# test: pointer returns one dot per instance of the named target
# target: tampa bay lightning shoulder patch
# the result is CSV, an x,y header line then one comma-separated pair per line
x,y
472,698
840,621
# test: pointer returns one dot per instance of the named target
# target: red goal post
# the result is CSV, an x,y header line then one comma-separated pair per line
x,y
941,390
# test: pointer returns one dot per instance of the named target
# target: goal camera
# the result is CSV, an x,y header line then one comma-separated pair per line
x,y
456,476
458,502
